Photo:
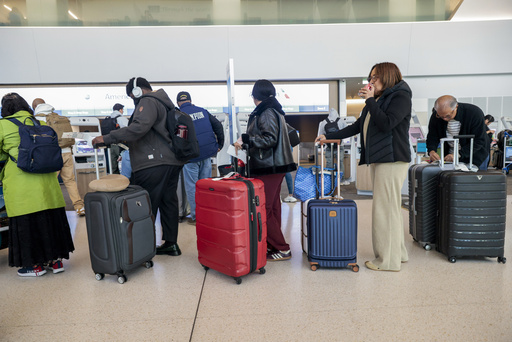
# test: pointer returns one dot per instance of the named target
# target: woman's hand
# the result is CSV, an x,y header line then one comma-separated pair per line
x,y
238,146
319,138
367,91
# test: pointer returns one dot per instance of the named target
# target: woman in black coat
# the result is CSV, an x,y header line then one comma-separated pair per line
x,y
384,139
270,159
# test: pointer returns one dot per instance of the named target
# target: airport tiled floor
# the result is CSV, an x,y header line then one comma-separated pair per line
x,y
431,299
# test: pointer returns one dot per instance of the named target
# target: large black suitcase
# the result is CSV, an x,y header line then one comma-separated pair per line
x,y
472,214
423,185
120,230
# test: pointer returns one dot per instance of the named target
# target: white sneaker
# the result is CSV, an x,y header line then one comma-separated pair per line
x,y
290,199
345,183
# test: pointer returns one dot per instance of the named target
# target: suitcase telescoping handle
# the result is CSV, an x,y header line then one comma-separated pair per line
x,y
96,148
455,140
338,143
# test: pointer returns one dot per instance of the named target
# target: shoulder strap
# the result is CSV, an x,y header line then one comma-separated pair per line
x,y
19,123
15,121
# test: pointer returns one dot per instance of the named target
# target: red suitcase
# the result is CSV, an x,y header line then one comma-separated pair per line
x,y
231,225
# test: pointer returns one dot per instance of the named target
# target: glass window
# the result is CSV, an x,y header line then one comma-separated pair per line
x,y
219,12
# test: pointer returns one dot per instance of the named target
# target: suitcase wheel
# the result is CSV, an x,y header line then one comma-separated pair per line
x,y
355,268
502,259
452,259
149,264
121,279
99,276
427,247
238,280
262,270
206,268
314,267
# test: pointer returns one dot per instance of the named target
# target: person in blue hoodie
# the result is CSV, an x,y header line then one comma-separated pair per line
x,y
210,136
384,135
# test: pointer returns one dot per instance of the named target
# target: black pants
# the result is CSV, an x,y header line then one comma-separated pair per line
x,y
161,182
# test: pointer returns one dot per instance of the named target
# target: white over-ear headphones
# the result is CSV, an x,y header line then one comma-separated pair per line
x,y
136,91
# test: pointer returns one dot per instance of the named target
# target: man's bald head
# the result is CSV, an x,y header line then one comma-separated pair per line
x,y
445,102
446,107
37,102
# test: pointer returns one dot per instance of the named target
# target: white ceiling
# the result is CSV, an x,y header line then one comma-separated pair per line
x,y
477,10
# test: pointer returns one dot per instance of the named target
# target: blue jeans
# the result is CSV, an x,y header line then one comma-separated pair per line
x,y
484,165
289,182
126,166
192,172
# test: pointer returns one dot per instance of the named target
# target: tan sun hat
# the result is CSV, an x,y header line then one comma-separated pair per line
x,y
109,183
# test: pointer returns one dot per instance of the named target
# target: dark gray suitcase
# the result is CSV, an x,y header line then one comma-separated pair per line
x,y
472,214
423,185
120,230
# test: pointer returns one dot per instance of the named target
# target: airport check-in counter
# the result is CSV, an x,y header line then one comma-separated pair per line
x,y
83,152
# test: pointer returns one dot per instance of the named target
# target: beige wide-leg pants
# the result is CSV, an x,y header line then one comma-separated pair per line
x,y
387,220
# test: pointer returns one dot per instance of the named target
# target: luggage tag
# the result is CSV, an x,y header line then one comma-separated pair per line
x,y
229,175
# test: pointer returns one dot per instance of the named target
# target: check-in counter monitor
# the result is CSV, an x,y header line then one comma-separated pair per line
x,y
83,152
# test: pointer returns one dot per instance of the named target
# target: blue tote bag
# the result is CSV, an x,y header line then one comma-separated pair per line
x,y
305,185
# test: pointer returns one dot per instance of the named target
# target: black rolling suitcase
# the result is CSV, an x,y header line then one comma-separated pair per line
x,y
423,185
472,214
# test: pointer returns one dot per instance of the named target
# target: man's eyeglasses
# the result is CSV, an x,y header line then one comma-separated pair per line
x,y
446,116
372,78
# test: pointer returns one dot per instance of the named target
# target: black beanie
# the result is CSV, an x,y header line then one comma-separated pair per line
x,y
263,89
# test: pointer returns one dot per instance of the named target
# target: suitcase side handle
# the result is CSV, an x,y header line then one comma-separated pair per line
x,y
260,227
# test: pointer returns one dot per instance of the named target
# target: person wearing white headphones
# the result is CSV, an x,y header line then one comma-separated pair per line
x,y
154,165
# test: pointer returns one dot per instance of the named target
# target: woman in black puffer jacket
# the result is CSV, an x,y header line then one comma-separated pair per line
x,y
384,129
270,159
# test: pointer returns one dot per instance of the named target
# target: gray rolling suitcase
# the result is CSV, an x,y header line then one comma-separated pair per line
x,y
120,230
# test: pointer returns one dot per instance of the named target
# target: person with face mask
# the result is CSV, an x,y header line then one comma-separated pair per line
x,y
154,165
384,135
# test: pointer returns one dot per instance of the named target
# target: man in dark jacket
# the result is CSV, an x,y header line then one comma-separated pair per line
x,y
154,165
449,119
210,136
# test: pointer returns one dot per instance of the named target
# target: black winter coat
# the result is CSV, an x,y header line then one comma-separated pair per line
x,y
471,122
388,130
270,151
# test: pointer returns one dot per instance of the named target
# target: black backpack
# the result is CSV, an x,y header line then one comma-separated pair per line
x,y
38,151
331,127
108,124
187,148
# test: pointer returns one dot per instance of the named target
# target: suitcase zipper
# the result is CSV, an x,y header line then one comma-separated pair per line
x,y
254,236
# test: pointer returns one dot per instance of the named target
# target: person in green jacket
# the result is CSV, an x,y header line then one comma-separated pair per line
x,y
39,232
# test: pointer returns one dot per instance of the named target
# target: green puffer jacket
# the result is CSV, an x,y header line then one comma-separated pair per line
x,y
25,193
